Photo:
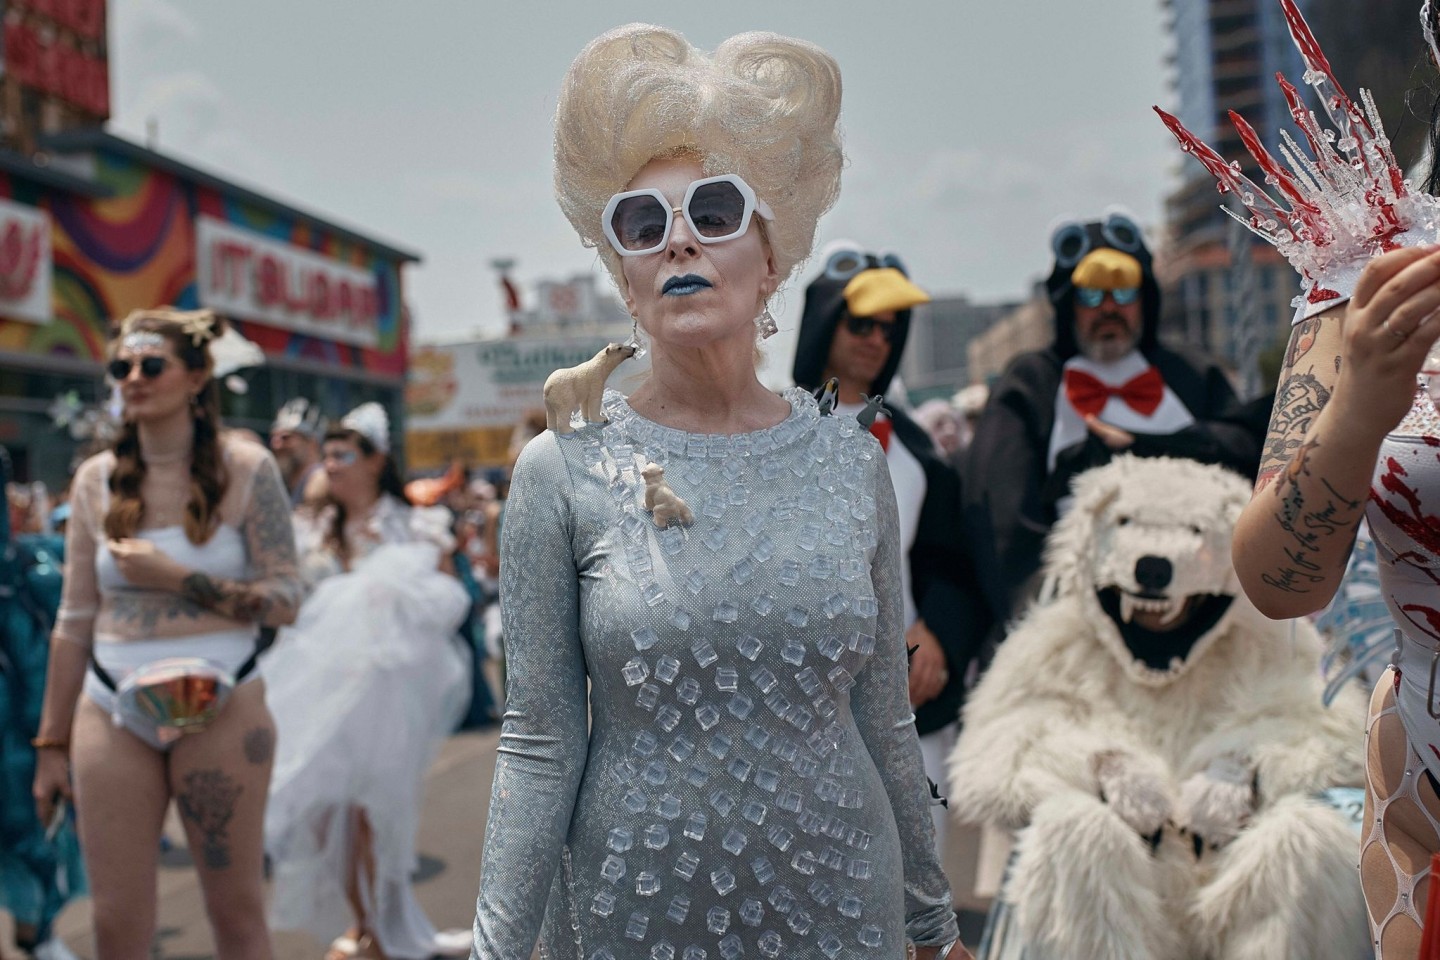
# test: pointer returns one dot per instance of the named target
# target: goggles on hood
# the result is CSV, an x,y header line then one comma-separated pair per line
x,y
1071,241
847,262
716,209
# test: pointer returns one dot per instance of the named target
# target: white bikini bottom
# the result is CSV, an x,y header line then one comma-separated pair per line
x,y
227,649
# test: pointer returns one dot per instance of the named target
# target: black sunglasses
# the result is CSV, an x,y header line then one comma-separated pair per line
x,y
861,327
150,367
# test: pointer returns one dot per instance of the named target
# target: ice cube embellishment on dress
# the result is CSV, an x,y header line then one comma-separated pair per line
x,y
723,880
635,671
679,907
612,869
619,839
685,867
688,691
604,904
667,668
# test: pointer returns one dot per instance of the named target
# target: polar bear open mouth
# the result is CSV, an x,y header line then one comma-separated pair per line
x,y
1182,622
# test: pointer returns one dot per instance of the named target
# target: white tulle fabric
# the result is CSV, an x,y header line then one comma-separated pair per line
x,y
363,687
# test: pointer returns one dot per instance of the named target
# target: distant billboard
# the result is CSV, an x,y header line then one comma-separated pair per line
x,y
463,400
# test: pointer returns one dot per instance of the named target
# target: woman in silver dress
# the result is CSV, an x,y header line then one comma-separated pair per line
x,y
749,782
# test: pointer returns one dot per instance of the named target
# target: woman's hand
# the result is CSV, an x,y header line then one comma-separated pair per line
x,y
142,564
1389,327
52,781
928,672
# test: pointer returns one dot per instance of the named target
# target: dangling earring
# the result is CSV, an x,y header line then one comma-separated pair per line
x,y
766,323
635,337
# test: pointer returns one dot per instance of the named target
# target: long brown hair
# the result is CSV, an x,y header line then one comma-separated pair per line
x,y
189,334
389,482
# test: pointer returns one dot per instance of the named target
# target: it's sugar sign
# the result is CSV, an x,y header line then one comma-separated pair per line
x,y
249,276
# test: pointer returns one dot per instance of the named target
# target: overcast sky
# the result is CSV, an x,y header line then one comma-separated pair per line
x,y
970,126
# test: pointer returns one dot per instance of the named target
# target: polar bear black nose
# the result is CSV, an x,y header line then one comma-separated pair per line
x,y
1153,573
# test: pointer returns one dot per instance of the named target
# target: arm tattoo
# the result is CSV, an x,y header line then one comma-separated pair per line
x,y
229,598
1298,402
1308,525
270,543
208,801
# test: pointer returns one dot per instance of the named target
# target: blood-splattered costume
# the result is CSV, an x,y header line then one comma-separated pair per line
x,y
1334,213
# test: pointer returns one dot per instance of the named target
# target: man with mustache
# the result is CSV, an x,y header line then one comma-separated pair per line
x,y
1104,385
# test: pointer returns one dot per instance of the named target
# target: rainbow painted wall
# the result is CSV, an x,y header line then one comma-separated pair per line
x,y
136,248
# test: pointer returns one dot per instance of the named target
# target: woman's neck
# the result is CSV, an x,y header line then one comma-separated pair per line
x,y
169,440
359,505
711,390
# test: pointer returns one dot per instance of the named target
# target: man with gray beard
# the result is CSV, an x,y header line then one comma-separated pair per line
x,y
1103,386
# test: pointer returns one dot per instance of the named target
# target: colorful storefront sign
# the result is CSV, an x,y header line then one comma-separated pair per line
x,y
25,263
245,275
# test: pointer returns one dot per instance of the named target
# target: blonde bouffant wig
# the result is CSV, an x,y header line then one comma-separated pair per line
x,y
763,106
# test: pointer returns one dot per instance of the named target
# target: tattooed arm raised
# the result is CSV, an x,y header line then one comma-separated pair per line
x,y
269,596
1348,379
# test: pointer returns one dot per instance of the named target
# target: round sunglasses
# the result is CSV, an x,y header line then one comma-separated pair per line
x,y
716,209
150,367
1070,242
1092,297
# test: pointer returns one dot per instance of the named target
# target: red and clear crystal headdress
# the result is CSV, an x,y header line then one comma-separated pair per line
x,y
1341,203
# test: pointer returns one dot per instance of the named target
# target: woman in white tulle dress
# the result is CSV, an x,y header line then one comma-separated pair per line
x,y
364,687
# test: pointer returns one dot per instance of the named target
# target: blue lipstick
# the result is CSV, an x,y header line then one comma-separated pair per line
x,y
685,285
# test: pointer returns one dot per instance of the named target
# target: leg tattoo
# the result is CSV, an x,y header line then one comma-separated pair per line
x,y
260,745
208,801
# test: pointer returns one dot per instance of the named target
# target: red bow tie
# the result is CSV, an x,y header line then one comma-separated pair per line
x,y
1089,395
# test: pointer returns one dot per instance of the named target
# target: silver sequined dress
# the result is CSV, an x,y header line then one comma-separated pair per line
x,y
750,782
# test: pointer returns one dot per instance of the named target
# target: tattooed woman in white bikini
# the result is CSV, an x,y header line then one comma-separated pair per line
x,y
179,550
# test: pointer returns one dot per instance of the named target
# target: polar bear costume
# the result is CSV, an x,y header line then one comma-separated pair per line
x,y
1158,744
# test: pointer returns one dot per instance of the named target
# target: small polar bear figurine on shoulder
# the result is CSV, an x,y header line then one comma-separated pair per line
x,y
1157,745
582,388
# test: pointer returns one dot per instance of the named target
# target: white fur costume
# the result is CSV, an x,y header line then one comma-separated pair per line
x,y
1076,743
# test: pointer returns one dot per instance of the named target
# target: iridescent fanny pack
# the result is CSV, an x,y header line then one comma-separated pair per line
x,y
175,695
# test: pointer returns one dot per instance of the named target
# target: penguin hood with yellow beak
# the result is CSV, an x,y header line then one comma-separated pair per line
x,y
1104,254
877,288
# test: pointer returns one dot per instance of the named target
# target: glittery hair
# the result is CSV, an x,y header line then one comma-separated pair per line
x,y
762,106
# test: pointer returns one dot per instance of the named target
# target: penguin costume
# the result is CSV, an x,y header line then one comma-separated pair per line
x,y
1034,436
942,588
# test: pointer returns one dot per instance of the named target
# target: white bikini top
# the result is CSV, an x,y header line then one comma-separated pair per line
x,y
223,556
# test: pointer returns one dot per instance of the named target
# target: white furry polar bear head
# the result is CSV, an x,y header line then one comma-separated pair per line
x,y
1145,549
